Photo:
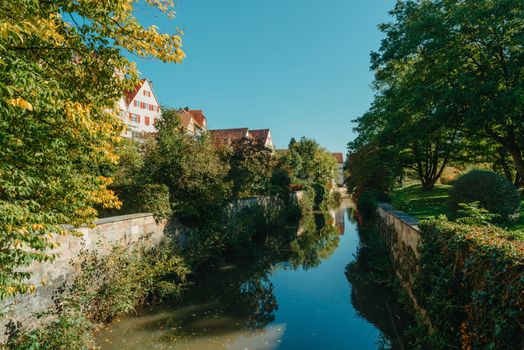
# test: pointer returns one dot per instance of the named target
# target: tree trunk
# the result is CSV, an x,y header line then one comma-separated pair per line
x,y
519,181
516,155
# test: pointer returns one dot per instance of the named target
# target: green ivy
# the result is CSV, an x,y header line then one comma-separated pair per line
x,y
471,283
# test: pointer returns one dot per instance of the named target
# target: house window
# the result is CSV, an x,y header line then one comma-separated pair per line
x,y
151,107
146,120
144,92
142,105
135,118
135,103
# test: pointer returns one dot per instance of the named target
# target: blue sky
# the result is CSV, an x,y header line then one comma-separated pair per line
x,y
298,67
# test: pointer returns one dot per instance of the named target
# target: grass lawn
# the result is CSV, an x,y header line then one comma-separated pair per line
x,y
422,204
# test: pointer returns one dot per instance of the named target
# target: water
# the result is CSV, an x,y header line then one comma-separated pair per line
x,y
295,294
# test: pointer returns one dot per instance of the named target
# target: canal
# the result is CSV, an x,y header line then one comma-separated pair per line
x,y
316,291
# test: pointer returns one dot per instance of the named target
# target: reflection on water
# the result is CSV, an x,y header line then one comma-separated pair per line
x,y
293,294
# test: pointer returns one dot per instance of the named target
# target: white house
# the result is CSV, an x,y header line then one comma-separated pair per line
x,y
140,110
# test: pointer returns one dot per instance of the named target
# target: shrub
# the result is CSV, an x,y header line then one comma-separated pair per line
x,y
307,202
135,199
105,287
69,331
115,284
470,283
493,192
472,214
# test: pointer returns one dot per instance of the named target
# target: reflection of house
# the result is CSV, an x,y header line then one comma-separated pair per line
x,y
223,137
140,109
193,121
340,175
337,219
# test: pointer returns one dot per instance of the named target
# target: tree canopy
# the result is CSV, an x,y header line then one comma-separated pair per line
x,y
62,72
449,77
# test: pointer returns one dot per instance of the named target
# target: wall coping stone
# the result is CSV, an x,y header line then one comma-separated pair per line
x,y
112,219
402,216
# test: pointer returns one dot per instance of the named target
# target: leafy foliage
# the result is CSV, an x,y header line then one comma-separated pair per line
x,y
492,191
449,82
190,167
307,162
470,283
106,287
473,214
371,167
251,167
141,199
62,73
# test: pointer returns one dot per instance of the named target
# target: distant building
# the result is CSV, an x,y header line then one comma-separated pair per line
x,y
223,137
340,175
264,137
193,121
140,110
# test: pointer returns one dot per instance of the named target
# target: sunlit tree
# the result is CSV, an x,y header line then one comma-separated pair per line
x,y
62,71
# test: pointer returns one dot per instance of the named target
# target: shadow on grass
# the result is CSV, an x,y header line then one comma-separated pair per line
x,y
422,204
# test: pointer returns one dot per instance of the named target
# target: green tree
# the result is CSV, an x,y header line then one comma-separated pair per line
x,y
473,53
251,167
307,162
62,72
130,162
190,167
371,167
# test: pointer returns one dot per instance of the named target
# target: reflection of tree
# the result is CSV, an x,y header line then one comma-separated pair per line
x,y
371,294
258,301
315,242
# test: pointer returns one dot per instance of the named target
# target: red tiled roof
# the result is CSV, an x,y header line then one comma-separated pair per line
x,y
199,117
225,136
339,157
130,95
261,135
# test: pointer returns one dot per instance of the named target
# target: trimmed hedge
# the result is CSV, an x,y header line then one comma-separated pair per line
x,y
151,198
494,193
471,283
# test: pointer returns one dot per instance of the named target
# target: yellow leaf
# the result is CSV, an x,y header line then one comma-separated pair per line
x,y
21,103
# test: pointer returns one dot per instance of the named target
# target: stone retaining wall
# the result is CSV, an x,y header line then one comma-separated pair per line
x,y
401,233
126,230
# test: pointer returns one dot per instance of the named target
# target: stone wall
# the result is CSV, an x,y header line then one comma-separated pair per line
x,y
126,230
401,233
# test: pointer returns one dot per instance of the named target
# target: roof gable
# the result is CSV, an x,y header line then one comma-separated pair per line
x,y
131,95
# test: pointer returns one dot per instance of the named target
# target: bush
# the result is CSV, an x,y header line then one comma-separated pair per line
x,y
106,287
141,199
470,283
307,202
69,331
493,192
